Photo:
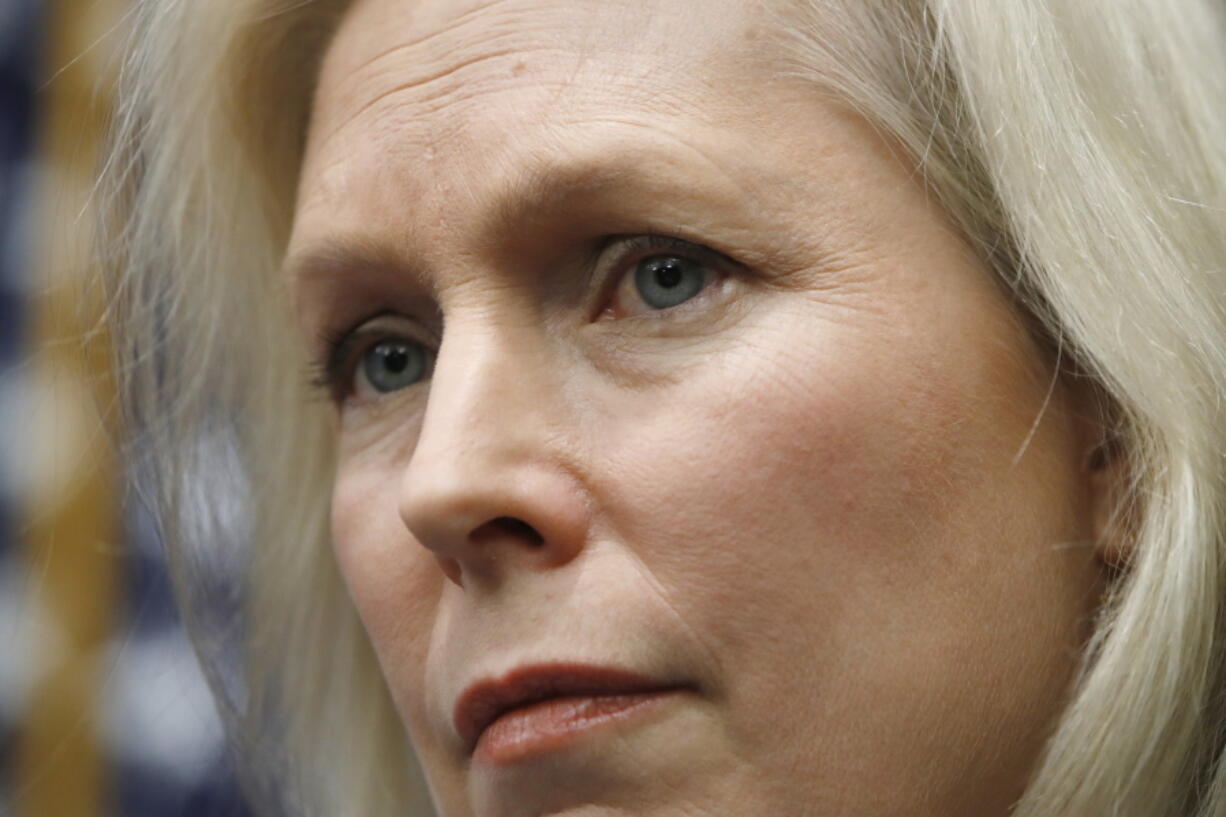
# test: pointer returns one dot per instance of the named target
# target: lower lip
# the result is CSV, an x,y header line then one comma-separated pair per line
x,y
552,725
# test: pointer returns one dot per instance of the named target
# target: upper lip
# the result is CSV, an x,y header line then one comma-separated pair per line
x,y
486,700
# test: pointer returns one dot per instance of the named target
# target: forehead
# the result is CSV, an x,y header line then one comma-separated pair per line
x,y
453,92
431,52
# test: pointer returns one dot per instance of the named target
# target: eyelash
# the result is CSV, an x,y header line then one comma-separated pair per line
x,y
634,249
333,371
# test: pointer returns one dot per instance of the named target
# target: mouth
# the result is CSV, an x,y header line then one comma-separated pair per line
x,y
542,702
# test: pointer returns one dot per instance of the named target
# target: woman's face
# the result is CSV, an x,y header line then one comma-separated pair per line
x,y
662,362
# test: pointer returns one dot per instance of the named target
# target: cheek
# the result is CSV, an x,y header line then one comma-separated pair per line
x,y
841,519
391,579
785,469
856,429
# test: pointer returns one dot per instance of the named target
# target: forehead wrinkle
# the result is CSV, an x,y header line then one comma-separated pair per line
x,y
437,58
417,42
418,84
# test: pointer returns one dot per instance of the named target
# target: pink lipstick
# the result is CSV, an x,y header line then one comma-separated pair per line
x,y
542,708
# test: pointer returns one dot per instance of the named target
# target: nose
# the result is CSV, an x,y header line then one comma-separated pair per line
x,y
488,488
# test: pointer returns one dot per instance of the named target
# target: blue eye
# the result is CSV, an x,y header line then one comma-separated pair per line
x,y
392,364
665,281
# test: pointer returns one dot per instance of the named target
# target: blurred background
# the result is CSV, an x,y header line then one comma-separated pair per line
x,y
103,709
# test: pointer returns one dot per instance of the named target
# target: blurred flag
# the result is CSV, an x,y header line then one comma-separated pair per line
x,y
103,710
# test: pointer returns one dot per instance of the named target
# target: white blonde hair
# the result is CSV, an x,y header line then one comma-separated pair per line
x,y
1078,145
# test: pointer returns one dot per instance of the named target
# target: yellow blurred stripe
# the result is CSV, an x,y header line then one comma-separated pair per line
x,y
71,522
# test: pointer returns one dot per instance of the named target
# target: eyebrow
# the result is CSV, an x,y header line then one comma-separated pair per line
x,y
534,190
334,254
530,193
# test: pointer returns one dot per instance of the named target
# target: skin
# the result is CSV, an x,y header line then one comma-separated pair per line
x,y
800,491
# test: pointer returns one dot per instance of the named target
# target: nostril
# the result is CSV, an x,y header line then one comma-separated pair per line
x,y
507,526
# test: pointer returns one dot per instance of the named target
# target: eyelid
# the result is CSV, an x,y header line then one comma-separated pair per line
x,y
628,250
648,244
334,368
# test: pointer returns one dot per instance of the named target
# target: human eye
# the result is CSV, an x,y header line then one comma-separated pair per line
x,y
655,274
377,358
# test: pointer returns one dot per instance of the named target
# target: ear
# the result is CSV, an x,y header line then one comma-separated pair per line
x,y
1112,514
1107,472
